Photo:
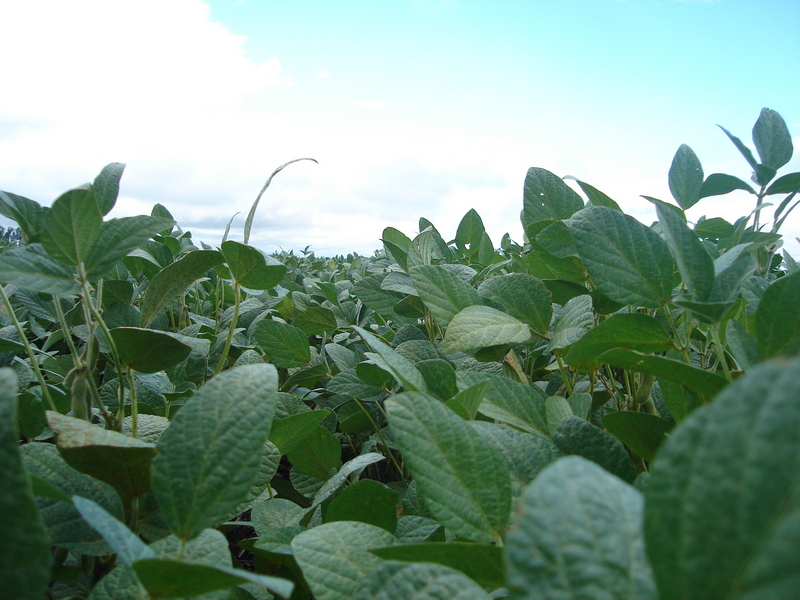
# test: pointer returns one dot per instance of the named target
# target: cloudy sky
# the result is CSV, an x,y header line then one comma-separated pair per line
x,y
413,108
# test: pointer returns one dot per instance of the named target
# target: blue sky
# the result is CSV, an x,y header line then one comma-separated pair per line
x,y
412,108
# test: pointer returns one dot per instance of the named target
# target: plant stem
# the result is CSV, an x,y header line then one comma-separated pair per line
x,y
24,340
564,374
134,404
229,338
720,351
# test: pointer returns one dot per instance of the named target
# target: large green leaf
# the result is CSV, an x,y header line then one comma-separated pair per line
x,y
572,323
641,432
718,184
27,213
211,452
367,501
64,524
772,139
284,345
577,534
148,350
482,562
334,557
121,461
778,318
694,262
72,226
118,237
465,482
173,578
723,500
318,455
251,267
685,177
547,198
172,281
626,260
106,186
577,436
482,326
634,331
126,544
398,365
24,543
443,292
30,267
418,581
506,400
524,297
356,465
706,383
289,432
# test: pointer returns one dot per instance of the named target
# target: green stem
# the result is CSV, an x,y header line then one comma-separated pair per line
x,y
134,404
564,374
24,340
229,338
720,351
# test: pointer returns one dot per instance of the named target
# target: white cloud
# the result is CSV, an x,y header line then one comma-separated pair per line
x,y
372,104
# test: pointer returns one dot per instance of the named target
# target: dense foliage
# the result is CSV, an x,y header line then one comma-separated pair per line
x,y
607,410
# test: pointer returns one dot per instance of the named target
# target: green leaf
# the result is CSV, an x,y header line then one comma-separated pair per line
x,y
65,526
359,463
577,534
482,326
148,350
217,436
557,240
577,436
685,177
785,185
640,432
465,482
443,292
29,267
316,320
706,383
24,543
547,198
274,514
634,331
119,237
596,197
418,581
506,400
470,231
251,267
398,365
574,321
126,544
106,186
172,281
28,214
284,345
557,408
526,454
627,261
172,578
121,461
772,139
366,501
777,318
334,557
722,502
742,344
694,262
482,562
72,226
718,184
440,377
466,402
290,432
524,297
318,455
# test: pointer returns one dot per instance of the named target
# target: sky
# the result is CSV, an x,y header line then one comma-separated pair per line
x,y
412,108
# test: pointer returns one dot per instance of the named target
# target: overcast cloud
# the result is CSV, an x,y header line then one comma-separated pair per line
x,y
201,123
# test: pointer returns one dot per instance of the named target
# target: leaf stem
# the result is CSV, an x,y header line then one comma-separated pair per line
x,y
229,338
